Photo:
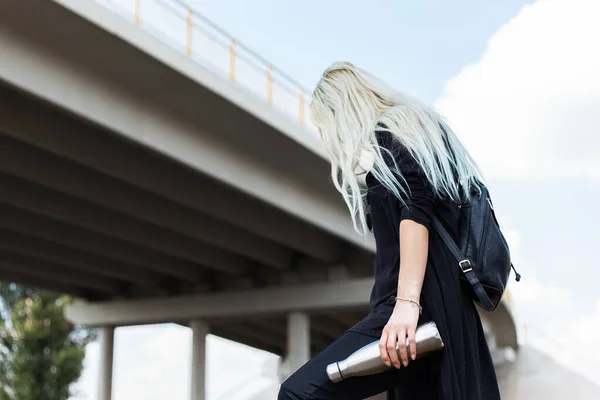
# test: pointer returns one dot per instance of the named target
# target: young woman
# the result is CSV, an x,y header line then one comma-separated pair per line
x,y
398,158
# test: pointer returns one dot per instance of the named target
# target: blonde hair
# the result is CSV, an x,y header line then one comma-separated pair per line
x,y
349,105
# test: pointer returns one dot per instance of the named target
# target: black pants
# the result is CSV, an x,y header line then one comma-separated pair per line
x,y
311,382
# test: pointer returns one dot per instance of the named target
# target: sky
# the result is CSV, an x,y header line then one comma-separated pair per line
x,y
519,82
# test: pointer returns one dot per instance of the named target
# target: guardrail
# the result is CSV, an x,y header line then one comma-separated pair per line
x,y
177,24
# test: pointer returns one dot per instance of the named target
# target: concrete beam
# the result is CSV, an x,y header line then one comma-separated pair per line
x,y
26,223
43,250
24,278
35,165
36,199
58,273
351,294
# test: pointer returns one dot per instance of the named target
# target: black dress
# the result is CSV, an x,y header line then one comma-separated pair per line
x,y
464,369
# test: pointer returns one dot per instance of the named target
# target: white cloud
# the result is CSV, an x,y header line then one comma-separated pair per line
x,y
529,107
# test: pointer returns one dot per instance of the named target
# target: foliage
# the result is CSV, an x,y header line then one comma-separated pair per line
x,y
41,353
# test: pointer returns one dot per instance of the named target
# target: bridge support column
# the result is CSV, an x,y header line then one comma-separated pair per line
x,y
199,333
298,343
106,339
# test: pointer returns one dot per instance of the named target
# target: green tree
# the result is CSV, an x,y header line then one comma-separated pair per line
x,y
41,353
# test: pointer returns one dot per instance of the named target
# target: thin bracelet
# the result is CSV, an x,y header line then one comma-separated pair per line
x,y
411,301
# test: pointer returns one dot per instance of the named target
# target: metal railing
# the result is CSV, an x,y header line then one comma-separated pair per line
x,y
177,24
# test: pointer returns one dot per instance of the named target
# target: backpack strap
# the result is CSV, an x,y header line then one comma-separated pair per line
x,y
464,264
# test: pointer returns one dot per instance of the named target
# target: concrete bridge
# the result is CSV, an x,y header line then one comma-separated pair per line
x,y
162,182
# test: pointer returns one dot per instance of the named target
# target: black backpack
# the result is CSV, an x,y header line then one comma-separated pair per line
x,y
482,254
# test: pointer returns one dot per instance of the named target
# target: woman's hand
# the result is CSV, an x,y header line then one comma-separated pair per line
x,y
402,324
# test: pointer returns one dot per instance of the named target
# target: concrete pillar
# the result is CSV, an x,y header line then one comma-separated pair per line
x,y
106,339
298,340
199,332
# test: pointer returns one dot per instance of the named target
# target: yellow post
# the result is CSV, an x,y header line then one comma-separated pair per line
x,y
507,297
270,85
137,12
302,108
232,60
190,31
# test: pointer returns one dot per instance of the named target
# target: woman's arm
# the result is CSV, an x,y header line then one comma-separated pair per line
x,y
414,240
416,215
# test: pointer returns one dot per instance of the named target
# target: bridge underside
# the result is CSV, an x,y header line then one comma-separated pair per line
x,y
84,212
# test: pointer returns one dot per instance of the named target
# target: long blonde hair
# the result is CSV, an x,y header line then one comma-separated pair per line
x,y
349,105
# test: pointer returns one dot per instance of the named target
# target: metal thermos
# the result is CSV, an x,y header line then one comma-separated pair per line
x,y
367,360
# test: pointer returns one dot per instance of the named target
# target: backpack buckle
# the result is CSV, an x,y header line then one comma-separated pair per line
x,y
465,266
